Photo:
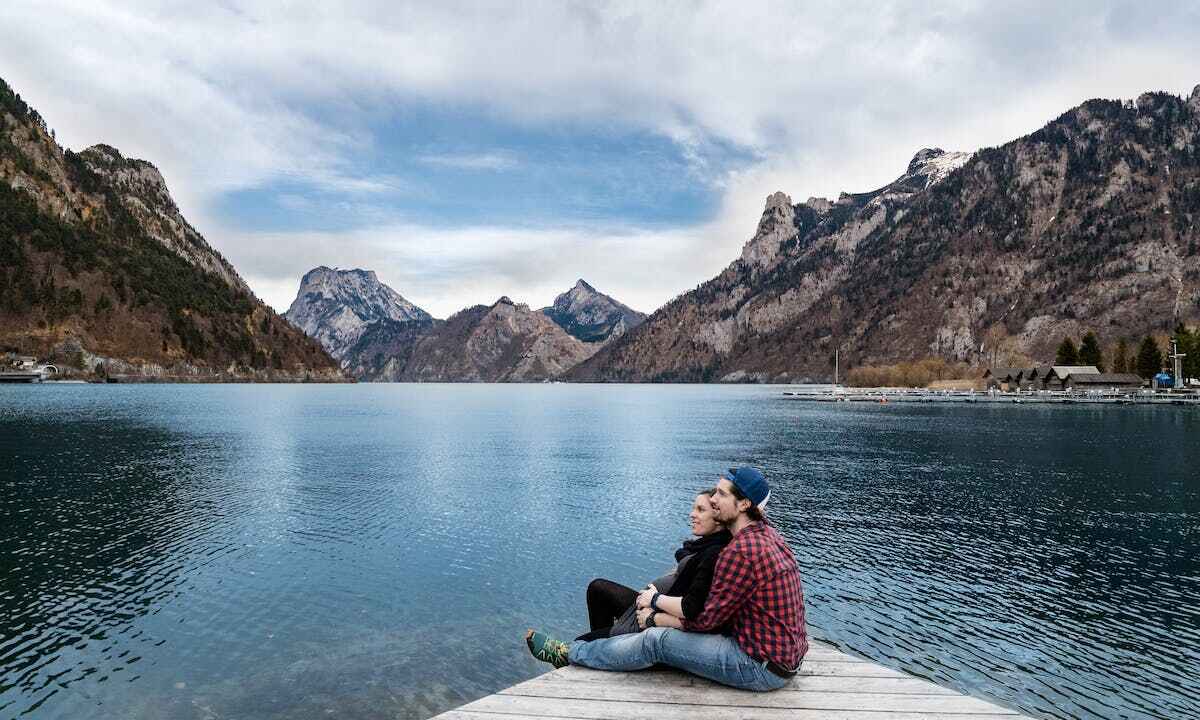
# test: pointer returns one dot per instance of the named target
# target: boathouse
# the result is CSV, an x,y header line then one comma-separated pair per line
x,y
1056,378
1031,378
1003,379
1103,381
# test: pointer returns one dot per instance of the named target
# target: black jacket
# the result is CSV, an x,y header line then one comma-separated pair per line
x,y
693,576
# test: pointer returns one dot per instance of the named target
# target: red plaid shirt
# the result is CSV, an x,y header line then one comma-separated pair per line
x,y
756,591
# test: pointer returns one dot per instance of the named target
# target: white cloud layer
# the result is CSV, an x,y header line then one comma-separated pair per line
x,y
826,96
446,270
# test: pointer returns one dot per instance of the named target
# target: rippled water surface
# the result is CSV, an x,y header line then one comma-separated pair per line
x,y
377,550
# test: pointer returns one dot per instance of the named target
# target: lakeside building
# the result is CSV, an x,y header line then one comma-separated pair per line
x,y
1033,377
1104,381
1003,379
1056,378
24,369
1051,377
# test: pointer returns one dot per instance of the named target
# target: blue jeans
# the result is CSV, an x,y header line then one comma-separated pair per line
x,y
715,657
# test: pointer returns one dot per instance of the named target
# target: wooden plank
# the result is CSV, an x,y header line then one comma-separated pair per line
x,y
805,683
818,650
815,669
507,706
721,696
832,685
835,669
461,714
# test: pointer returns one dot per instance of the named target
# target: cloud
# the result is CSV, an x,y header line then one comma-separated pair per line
x,y
444,270
498,160
822,97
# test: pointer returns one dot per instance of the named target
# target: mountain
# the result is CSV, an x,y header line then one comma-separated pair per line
x,y
100,272
337,306
505,342
592,316
1088,223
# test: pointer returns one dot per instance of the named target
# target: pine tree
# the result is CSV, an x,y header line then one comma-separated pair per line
x,y
1067,354
1089,351
1189,345
1149,358
1121,357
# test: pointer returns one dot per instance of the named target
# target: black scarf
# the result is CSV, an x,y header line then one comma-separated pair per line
x,y
720,538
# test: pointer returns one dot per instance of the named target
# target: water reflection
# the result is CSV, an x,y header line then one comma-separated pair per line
x,y
93,514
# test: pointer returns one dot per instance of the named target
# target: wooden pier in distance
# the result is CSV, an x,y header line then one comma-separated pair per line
x,y
831,685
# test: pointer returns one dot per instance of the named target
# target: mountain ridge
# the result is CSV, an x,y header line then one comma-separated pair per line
x,y
102,274
335,307
1086,223
590,315
503,342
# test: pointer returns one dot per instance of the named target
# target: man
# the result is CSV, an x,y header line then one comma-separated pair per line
x,y
756,597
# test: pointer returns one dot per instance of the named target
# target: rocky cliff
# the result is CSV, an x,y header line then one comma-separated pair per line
x,y
592,316
505,342
100,271
1087,223
337,306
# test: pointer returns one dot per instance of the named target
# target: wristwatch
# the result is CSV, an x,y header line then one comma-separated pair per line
x,y
650,619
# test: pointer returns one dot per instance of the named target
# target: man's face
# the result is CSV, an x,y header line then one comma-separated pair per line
x,y
725,505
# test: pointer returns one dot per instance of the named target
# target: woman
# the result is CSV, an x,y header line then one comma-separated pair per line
x,y
611,606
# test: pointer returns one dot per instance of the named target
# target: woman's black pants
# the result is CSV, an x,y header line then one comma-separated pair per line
x,y
606,601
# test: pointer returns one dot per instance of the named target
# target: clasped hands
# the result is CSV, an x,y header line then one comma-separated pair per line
x,y
643,605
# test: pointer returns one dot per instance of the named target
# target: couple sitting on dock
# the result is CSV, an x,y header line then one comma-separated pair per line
x,y
732,611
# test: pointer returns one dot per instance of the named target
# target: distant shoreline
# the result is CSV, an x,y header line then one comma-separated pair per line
x,y
1036,397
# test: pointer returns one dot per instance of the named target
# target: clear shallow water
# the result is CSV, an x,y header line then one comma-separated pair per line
x,y
377,550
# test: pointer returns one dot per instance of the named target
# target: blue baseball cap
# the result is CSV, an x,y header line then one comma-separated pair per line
x,y
751,483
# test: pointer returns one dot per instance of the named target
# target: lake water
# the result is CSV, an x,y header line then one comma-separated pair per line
x,y
378,550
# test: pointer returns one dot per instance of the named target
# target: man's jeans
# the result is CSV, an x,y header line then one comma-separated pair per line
x,y
715,657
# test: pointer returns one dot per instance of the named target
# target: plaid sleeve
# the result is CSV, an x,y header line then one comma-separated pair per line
x,y
730,587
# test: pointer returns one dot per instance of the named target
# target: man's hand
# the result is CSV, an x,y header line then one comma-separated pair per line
x,y
642,615
643,599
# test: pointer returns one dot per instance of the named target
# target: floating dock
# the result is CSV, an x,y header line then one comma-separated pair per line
x,y
831,685
897,395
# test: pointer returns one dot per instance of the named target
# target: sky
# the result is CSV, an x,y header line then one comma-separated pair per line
x,y
468,150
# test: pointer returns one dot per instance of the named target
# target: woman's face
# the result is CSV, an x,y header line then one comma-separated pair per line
x,y
704,520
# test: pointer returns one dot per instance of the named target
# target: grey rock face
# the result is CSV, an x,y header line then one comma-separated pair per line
x,y
932,165
590,315
336,307
143,192
775,226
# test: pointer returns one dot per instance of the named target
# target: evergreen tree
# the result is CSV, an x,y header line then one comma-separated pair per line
x,y
1089,351
1121,357
1189,345
1149,358
1067,354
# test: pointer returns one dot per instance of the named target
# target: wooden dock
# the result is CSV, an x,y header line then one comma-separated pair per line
x,y
831,686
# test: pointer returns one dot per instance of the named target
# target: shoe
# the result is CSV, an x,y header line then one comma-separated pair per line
x,y
547,649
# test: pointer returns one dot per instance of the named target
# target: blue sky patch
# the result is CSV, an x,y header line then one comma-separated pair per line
x,y
448,168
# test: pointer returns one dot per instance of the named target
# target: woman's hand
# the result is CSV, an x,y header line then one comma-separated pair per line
x,y
642,614
644,598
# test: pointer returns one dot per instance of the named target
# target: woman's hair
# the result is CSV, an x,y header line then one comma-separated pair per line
x,y
753,513
708,491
